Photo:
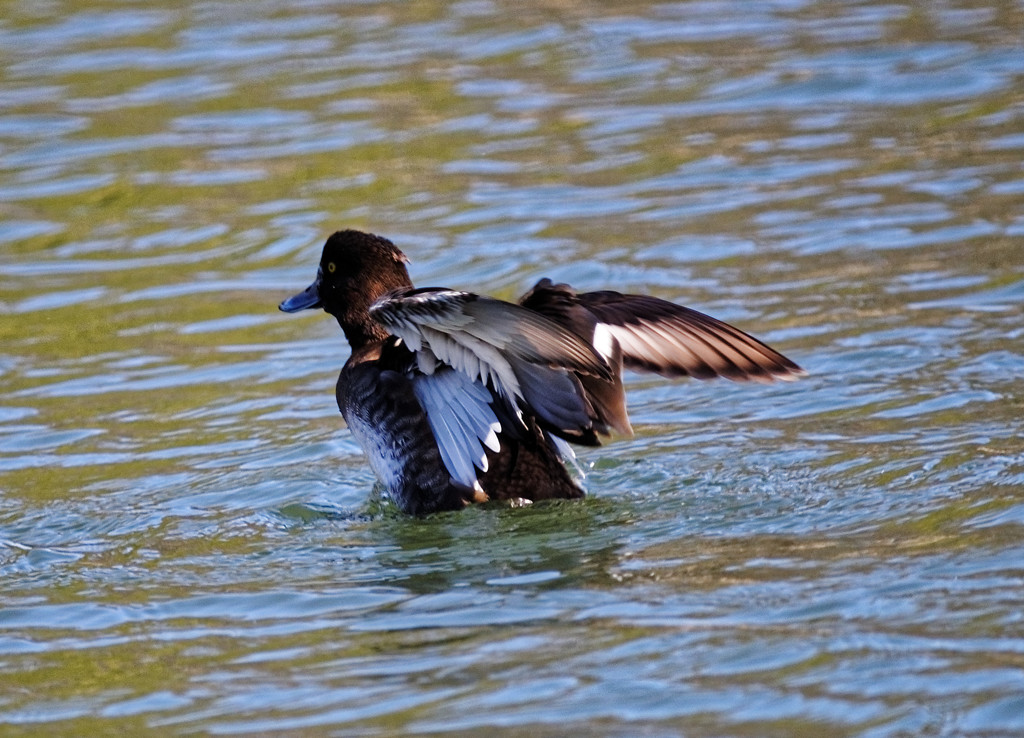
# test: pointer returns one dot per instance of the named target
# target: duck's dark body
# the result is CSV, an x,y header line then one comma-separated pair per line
x,y
382,412
458,398
376,398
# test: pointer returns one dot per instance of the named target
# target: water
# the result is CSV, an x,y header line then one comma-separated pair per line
x,y
189,542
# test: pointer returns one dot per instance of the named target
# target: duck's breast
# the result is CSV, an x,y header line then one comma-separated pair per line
x,y
390,426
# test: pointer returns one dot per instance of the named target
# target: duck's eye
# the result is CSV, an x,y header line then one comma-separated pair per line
x,y
331,267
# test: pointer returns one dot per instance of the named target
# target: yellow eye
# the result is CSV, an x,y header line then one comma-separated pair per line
x,y
331,267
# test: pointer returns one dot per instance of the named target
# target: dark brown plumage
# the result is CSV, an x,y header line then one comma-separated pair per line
x,y
460,398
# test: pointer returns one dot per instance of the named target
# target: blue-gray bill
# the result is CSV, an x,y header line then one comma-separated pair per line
x,y
307,299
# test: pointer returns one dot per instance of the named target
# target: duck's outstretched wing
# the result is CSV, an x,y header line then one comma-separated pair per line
x,y
528,359
659,336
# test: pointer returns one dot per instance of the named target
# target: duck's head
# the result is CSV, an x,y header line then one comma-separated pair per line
x,y
355,269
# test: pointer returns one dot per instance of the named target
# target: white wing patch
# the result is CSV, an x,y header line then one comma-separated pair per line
x,y
701,350
647,340
461,419
604,339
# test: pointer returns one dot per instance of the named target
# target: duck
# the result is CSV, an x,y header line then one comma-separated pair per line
x,y
457,398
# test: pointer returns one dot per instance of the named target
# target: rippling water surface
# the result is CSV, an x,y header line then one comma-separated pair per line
x,y
189,540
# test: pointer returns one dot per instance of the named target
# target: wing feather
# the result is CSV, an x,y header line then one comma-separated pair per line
x,y
461,420
660,336
480,335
